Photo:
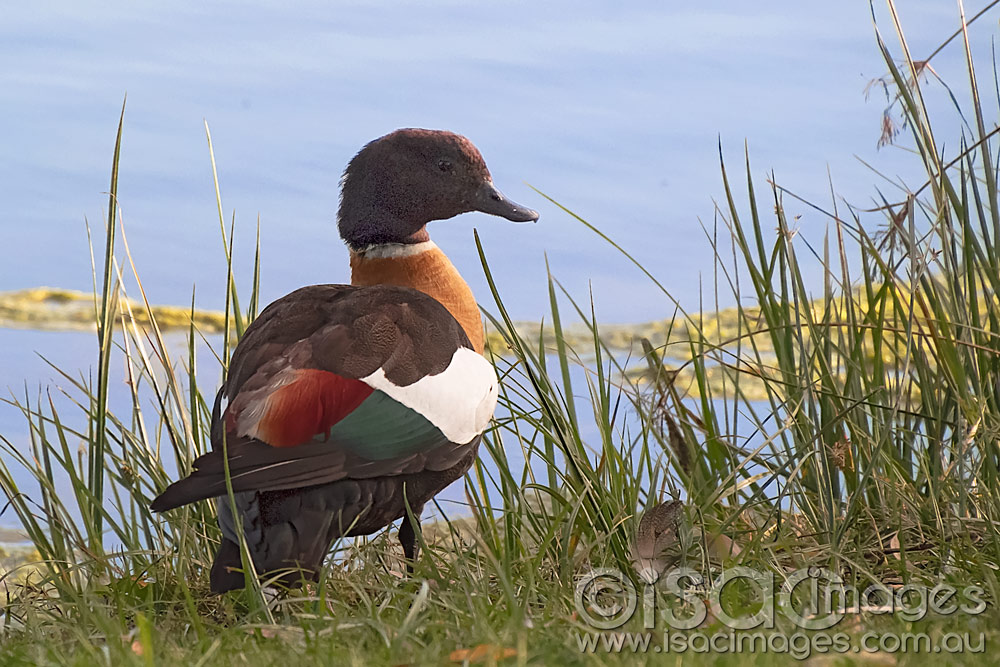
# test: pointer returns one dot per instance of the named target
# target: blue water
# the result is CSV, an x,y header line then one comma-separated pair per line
x,y
614,110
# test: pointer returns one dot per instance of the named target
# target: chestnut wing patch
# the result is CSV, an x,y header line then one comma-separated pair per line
x,y
309,404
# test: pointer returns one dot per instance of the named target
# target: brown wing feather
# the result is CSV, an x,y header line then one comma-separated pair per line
x,y
254,466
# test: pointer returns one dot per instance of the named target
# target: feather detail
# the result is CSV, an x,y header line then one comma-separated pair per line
x,y
308,405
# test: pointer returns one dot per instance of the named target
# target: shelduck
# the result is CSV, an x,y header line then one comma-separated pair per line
x,y
344,405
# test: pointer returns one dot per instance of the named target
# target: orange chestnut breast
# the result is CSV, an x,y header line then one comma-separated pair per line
x,y
424,267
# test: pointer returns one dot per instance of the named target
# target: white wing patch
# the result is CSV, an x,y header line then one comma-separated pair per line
x,y
459,401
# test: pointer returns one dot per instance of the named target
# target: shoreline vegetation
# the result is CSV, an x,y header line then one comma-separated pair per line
x,y
56,309
846,432
730,331
16,552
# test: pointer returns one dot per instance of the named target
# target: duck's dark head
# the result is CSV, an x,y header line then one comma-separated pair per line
x,y
400,182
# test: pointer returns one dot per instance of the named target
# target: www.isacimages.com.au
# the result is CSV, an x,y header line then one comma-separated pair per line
x,y
799,645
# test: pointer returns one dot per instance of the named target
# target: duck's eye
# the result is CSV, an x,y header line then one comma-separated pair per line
x,y
444,165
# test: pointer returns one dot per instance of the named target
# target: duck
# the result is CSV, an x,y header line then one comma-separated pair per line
x,y
346,408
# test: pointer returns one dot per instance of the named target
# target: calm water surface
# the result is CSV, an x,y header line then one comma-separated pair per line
x,y
615,111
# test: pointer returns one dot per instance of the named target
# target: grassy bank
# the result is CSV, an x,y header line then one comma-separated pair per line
x,y
848,426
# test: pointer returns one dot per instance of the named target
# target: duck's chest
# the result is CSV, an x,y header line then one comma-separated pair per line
x,y
424,267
